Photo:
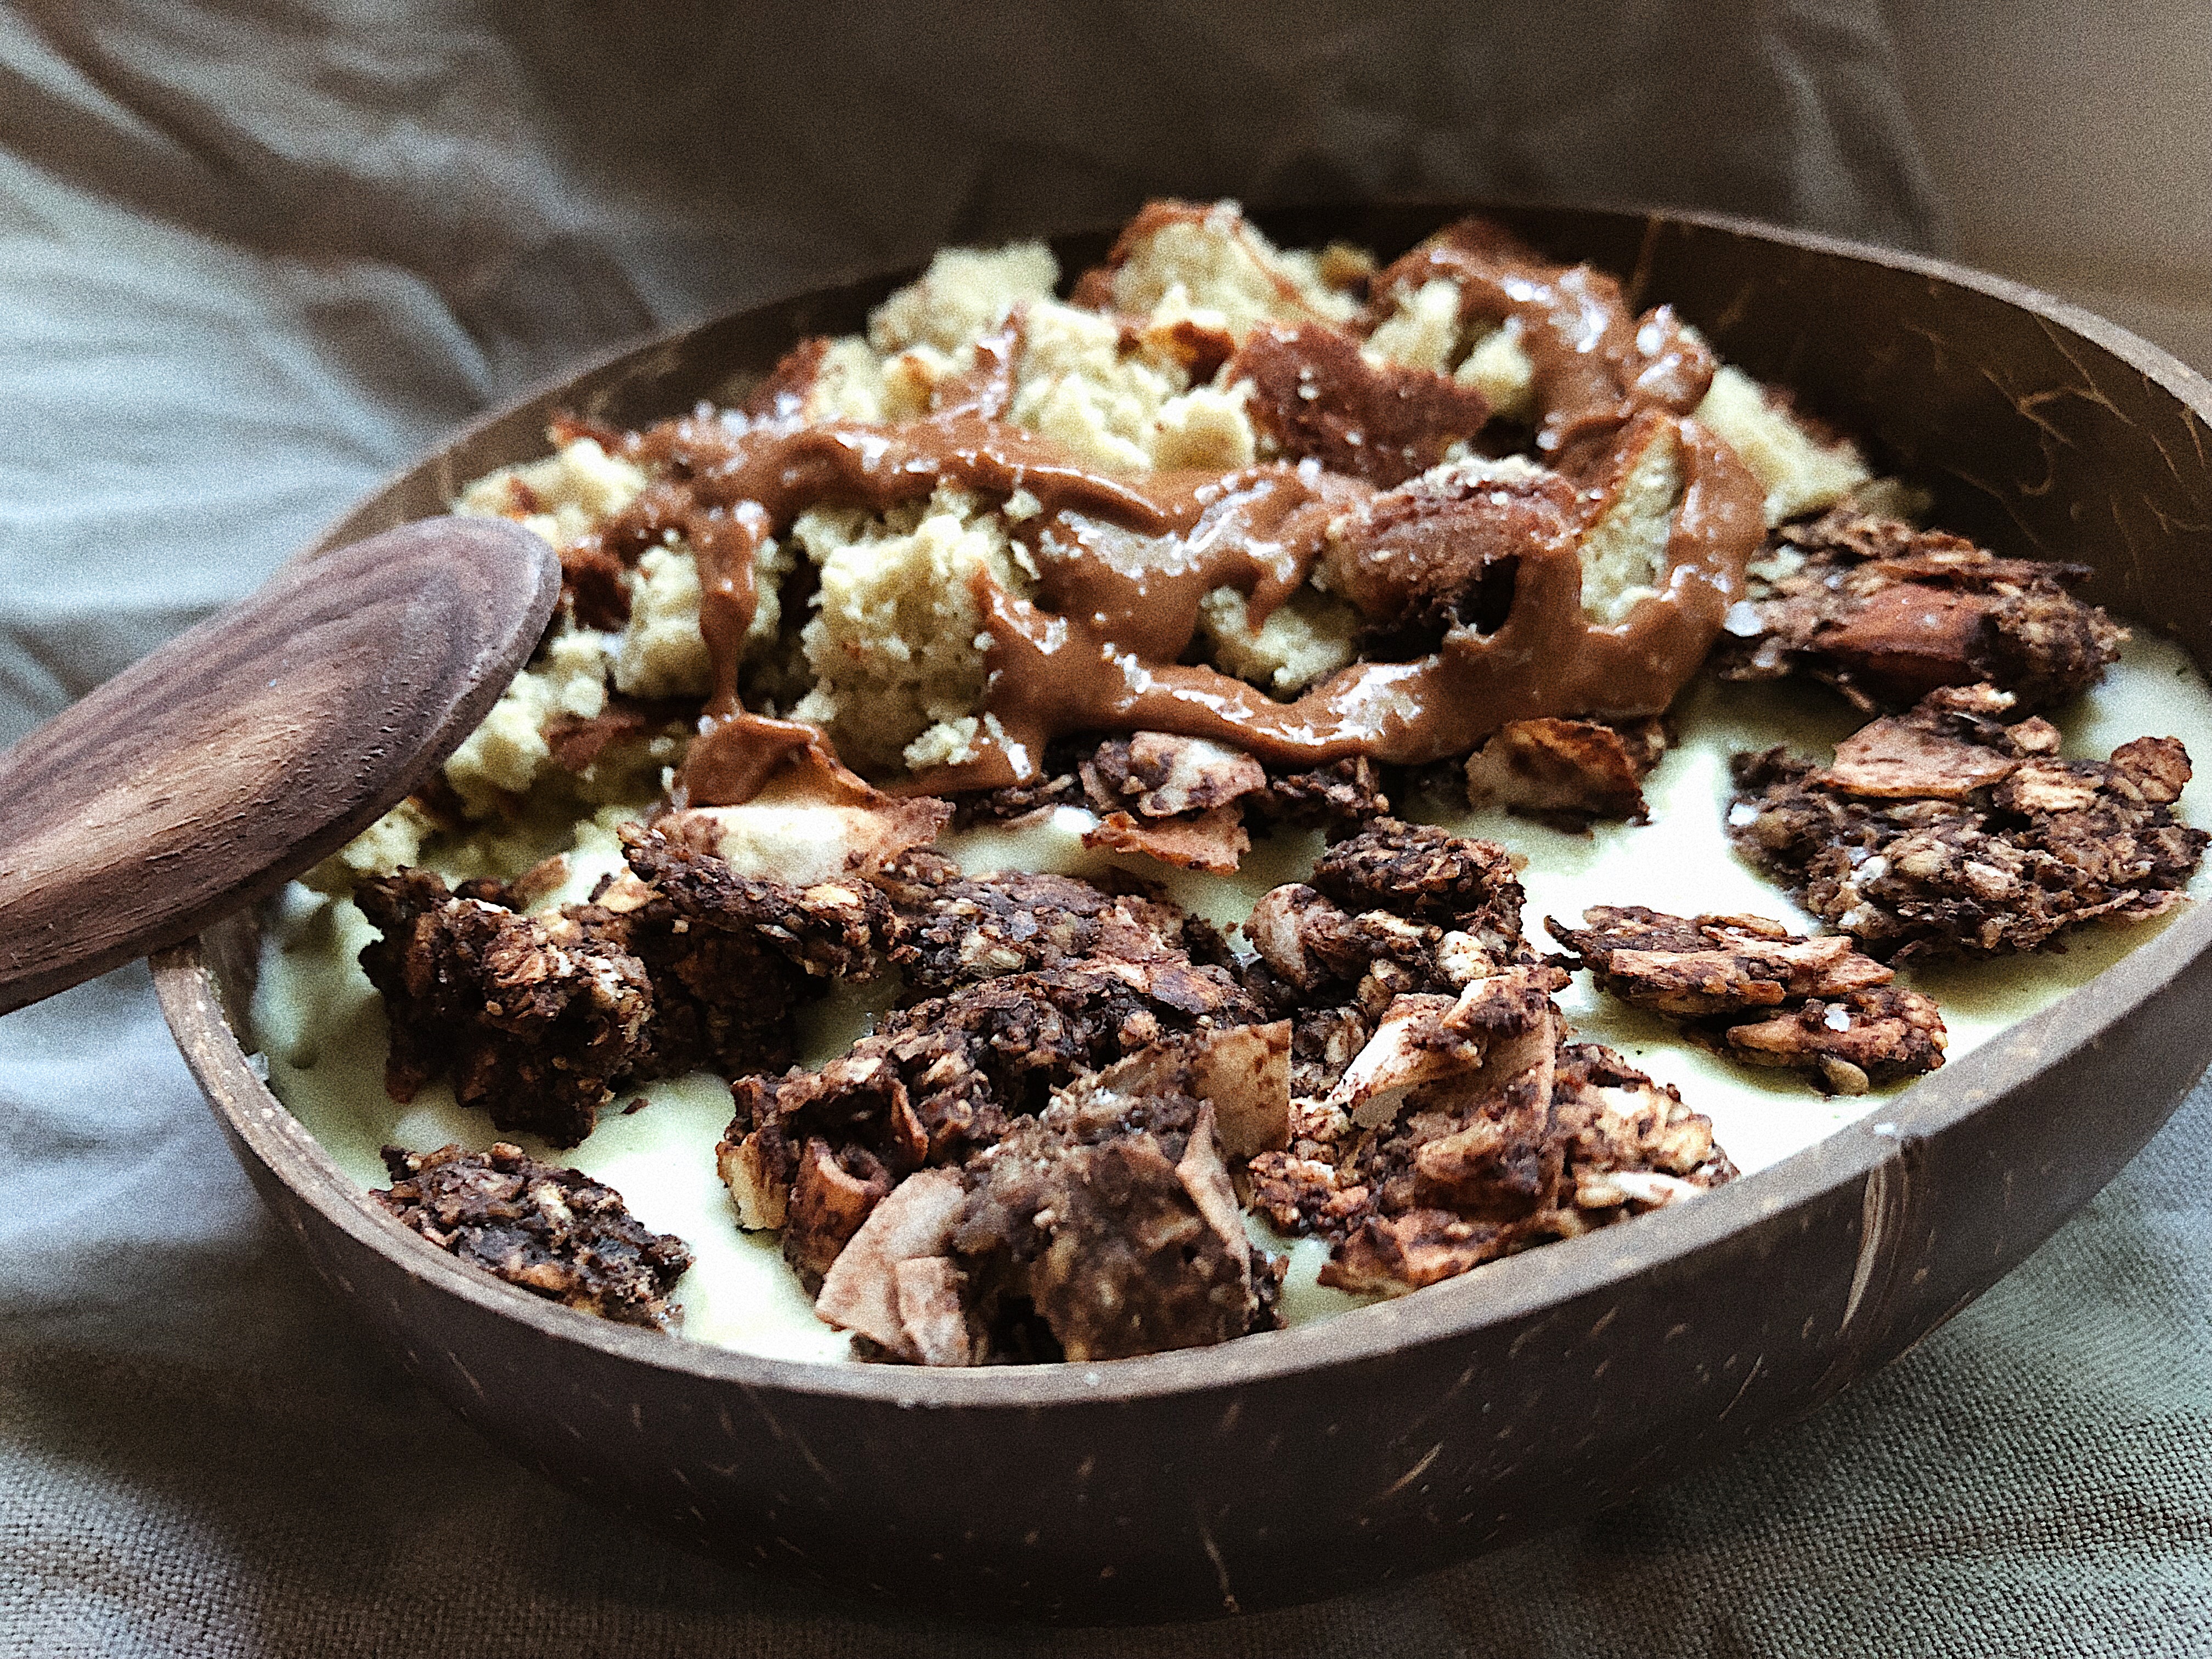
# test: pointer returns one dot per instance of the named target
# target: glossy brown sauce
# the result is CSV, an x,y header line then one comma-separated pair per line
x,y
1052,672
1123,563
1594,360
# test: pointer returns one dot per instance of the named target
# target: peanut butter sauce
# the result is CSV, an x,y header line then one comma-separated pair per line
x,y
1053,672
1593,360
1123,564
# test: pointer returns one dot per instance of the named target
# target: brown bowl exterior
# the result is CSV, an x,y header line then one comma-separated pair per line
x,y
1393,1440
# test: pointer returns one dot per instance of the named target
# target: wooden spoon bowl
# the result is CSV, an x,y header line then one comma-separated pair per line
x,y
247,748
1394,1439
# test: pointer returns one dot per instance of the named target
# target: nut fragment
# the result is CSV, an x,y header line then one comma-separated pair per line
x,y
1888,612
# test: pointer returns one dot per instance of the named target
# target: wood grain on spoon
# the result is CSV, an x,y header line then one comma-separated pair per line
x,y
249,748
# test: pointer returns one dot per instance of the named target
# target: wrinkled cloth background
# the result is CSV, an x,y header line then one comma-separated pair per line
x,y
254,256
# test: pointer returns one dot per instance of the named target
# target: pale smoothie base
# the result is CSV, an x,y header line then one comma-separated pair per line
x,y
321,1027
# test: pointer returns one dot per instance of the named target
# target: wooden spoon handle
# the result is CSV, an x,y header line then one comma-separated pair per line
x,y
251,746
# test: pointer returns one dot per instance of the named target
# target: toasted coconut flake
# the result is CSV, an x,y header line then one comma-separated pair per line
x,y
804,842
881,1284
1574,768
1215,842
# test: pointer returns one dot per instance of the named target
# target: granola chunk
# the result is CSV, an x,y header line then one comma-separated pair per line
x,y
1631,1143
1423,873
941,1080
1469,1129
731,956
555,1232
1748,987
1181,798
535,1021
1342,797
681,963
946,929
1177,799
1943,832
1887,613
1395,910
1103,1228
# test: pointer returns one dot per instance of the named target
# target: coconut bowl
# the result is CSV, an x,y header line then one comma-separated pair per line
x,y
1397,1438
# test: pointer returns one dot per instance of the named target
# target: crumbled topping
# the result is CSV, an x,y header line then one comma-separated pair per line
x,y
1176,799
536,1021
1488,1147
948,930
939,1082
1436,1122
540,1019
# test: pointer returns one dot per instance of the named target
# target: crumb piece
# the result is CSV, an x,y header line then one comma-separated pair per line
x,y
1307,637
1567,771
1189,258
1630,519
1803,470
393,842
563,497
1942,831
1886,613
892,647
965,294
1748,987
555,1232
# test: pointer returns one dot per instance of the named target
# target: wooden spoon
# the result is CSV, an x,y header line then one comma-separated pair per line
x,y
247,748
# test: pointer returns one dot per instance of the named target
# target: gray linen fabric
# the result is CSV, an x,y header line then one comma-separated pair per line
x,y
253,256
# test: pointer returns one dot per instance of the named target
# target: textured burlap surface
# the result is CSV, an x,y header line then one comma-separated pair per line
x,y
252,257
